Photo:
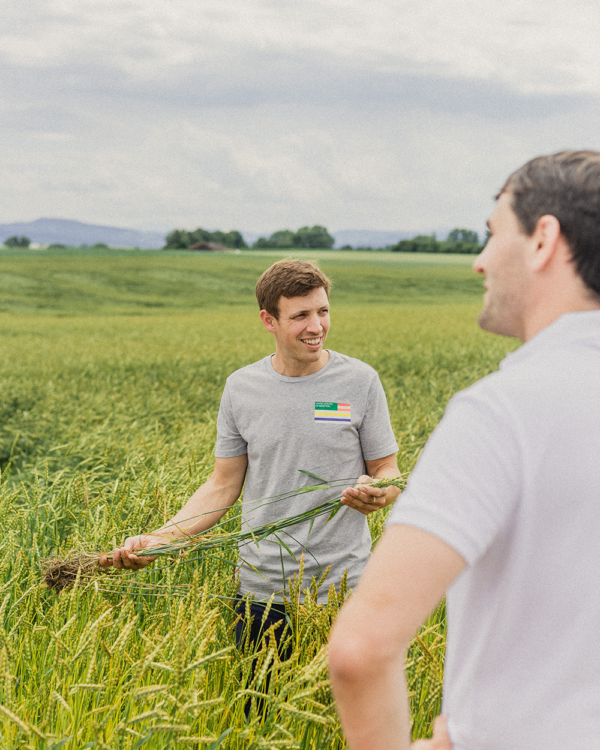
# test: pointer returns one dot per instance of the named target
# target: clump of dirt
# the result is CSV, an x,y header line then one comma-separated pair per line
x,y
60,573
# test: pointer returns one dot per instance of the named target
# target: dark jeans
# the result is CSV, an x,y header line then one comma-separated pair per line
x,y
255,630
258,629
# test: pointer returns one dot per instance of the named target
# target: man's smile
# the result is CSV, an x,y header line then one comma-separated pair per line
x,y
312,342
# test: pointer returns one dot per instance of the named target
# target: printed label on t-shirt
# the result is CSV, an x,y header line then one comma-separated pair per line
x,y
331,411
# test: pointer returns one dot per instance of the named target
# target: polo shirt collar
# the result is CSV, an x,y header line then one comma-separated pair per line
x,y
568,328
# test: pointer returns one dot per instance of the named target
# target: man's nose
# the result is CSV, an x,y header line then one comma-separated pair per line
x,y
478,265
314,324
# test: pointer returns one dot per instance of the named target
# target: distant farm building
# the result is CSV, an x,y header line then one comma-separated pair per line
x,y
211,246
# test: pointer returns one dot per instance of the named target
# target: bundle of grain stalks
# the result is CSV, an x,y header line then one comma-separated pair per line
x,y
60,573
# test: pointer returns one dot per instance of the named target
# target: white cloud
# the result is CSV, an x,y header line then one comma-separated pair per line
x,y
550,44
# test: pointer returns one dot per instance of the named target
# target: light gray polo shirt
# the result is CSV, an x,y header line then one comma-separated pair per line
x,y
510,479
327,423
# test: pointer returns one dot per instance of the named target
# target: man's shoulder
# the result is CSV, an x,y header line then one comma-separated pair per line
x,y
564,352
525,382
345,363
253,370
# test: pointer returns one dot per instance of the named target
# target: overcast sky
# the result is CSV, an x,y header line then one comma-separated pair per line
x,y
265,114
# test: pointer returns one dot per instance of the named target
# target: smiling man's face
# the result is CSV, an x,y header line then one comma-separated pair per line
x,y
300,331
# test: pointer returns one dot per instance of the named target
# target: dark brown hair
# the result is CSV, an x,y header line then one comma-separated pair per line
x,y
565,185
288,278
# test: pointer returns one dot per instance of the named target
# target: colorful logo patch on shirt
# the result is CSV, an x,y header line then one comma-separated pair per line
x,y
330,411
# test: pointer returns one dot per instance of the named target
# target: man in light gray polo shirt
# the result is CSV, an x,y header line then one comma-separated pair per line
x,y
302,408
502,510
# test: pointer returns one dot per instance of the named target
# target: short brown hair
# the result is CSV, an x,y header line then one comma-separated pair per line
x,y
288,278
565,185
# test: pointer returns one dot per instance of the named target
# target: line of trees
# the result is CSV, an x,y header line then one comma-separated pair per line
x,y
458,241
305,237
181,239
17,241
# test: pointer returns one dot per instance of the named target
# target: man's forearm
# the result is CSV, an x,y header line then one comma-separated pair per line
x,y
210,502
204,509
405,578
379,719
371,699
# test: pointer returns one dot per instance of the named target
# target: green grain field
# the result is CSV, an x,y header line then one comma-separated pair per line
x,y
111,372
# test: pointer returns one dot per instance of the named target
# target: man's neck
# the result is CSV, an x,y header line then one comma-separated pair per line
x,y
293,368
556,306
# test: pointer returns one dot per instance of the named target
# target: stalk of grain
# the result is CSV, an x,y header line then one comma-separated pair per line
x,y
60,573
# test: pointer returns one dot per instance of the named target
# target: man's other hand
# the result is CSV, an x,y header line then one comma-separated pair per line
x,y
125,558
440,739
366,499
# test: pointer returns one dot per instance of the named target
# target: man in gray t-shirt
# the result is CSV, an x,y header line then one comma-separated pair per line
x,y
303,408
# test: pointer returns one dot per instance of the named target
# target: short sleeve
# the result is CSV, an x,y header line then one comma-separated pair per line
x,y
466,483
376,435
229,441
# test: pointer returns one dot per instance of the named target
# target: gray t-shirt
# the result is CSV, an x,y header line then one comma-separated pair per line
x,y
327,423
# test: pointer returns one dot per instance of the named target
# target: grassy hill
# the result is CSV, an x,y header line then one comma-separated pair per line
x,y
147,282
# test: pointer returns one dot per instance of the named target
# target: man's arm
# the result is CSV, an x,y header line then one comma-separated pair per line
x,y
214,498
405,579
368,499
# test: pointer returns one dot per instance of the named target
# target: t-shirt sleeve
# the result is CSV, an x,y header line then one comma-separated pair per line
x,y
466,483
376,435
229,441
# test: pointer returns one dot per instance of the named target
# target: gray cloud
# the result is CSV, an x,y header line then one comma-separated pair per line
x,y
260,113
248,79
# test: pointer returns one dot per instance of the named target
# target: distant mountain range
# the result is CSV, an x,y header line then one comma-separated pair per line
x,y
67,232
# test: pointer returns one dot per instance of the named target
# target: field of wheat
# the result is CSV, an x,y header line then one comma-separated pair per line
x,y
110,377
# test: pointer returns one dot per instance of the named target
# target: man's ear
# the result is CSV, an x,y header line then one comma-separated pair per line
x,y
547,242
268,320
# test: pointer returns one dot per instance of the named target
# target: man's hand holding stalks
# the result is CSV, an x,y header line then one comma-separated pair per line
x,y
367,497
125,558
